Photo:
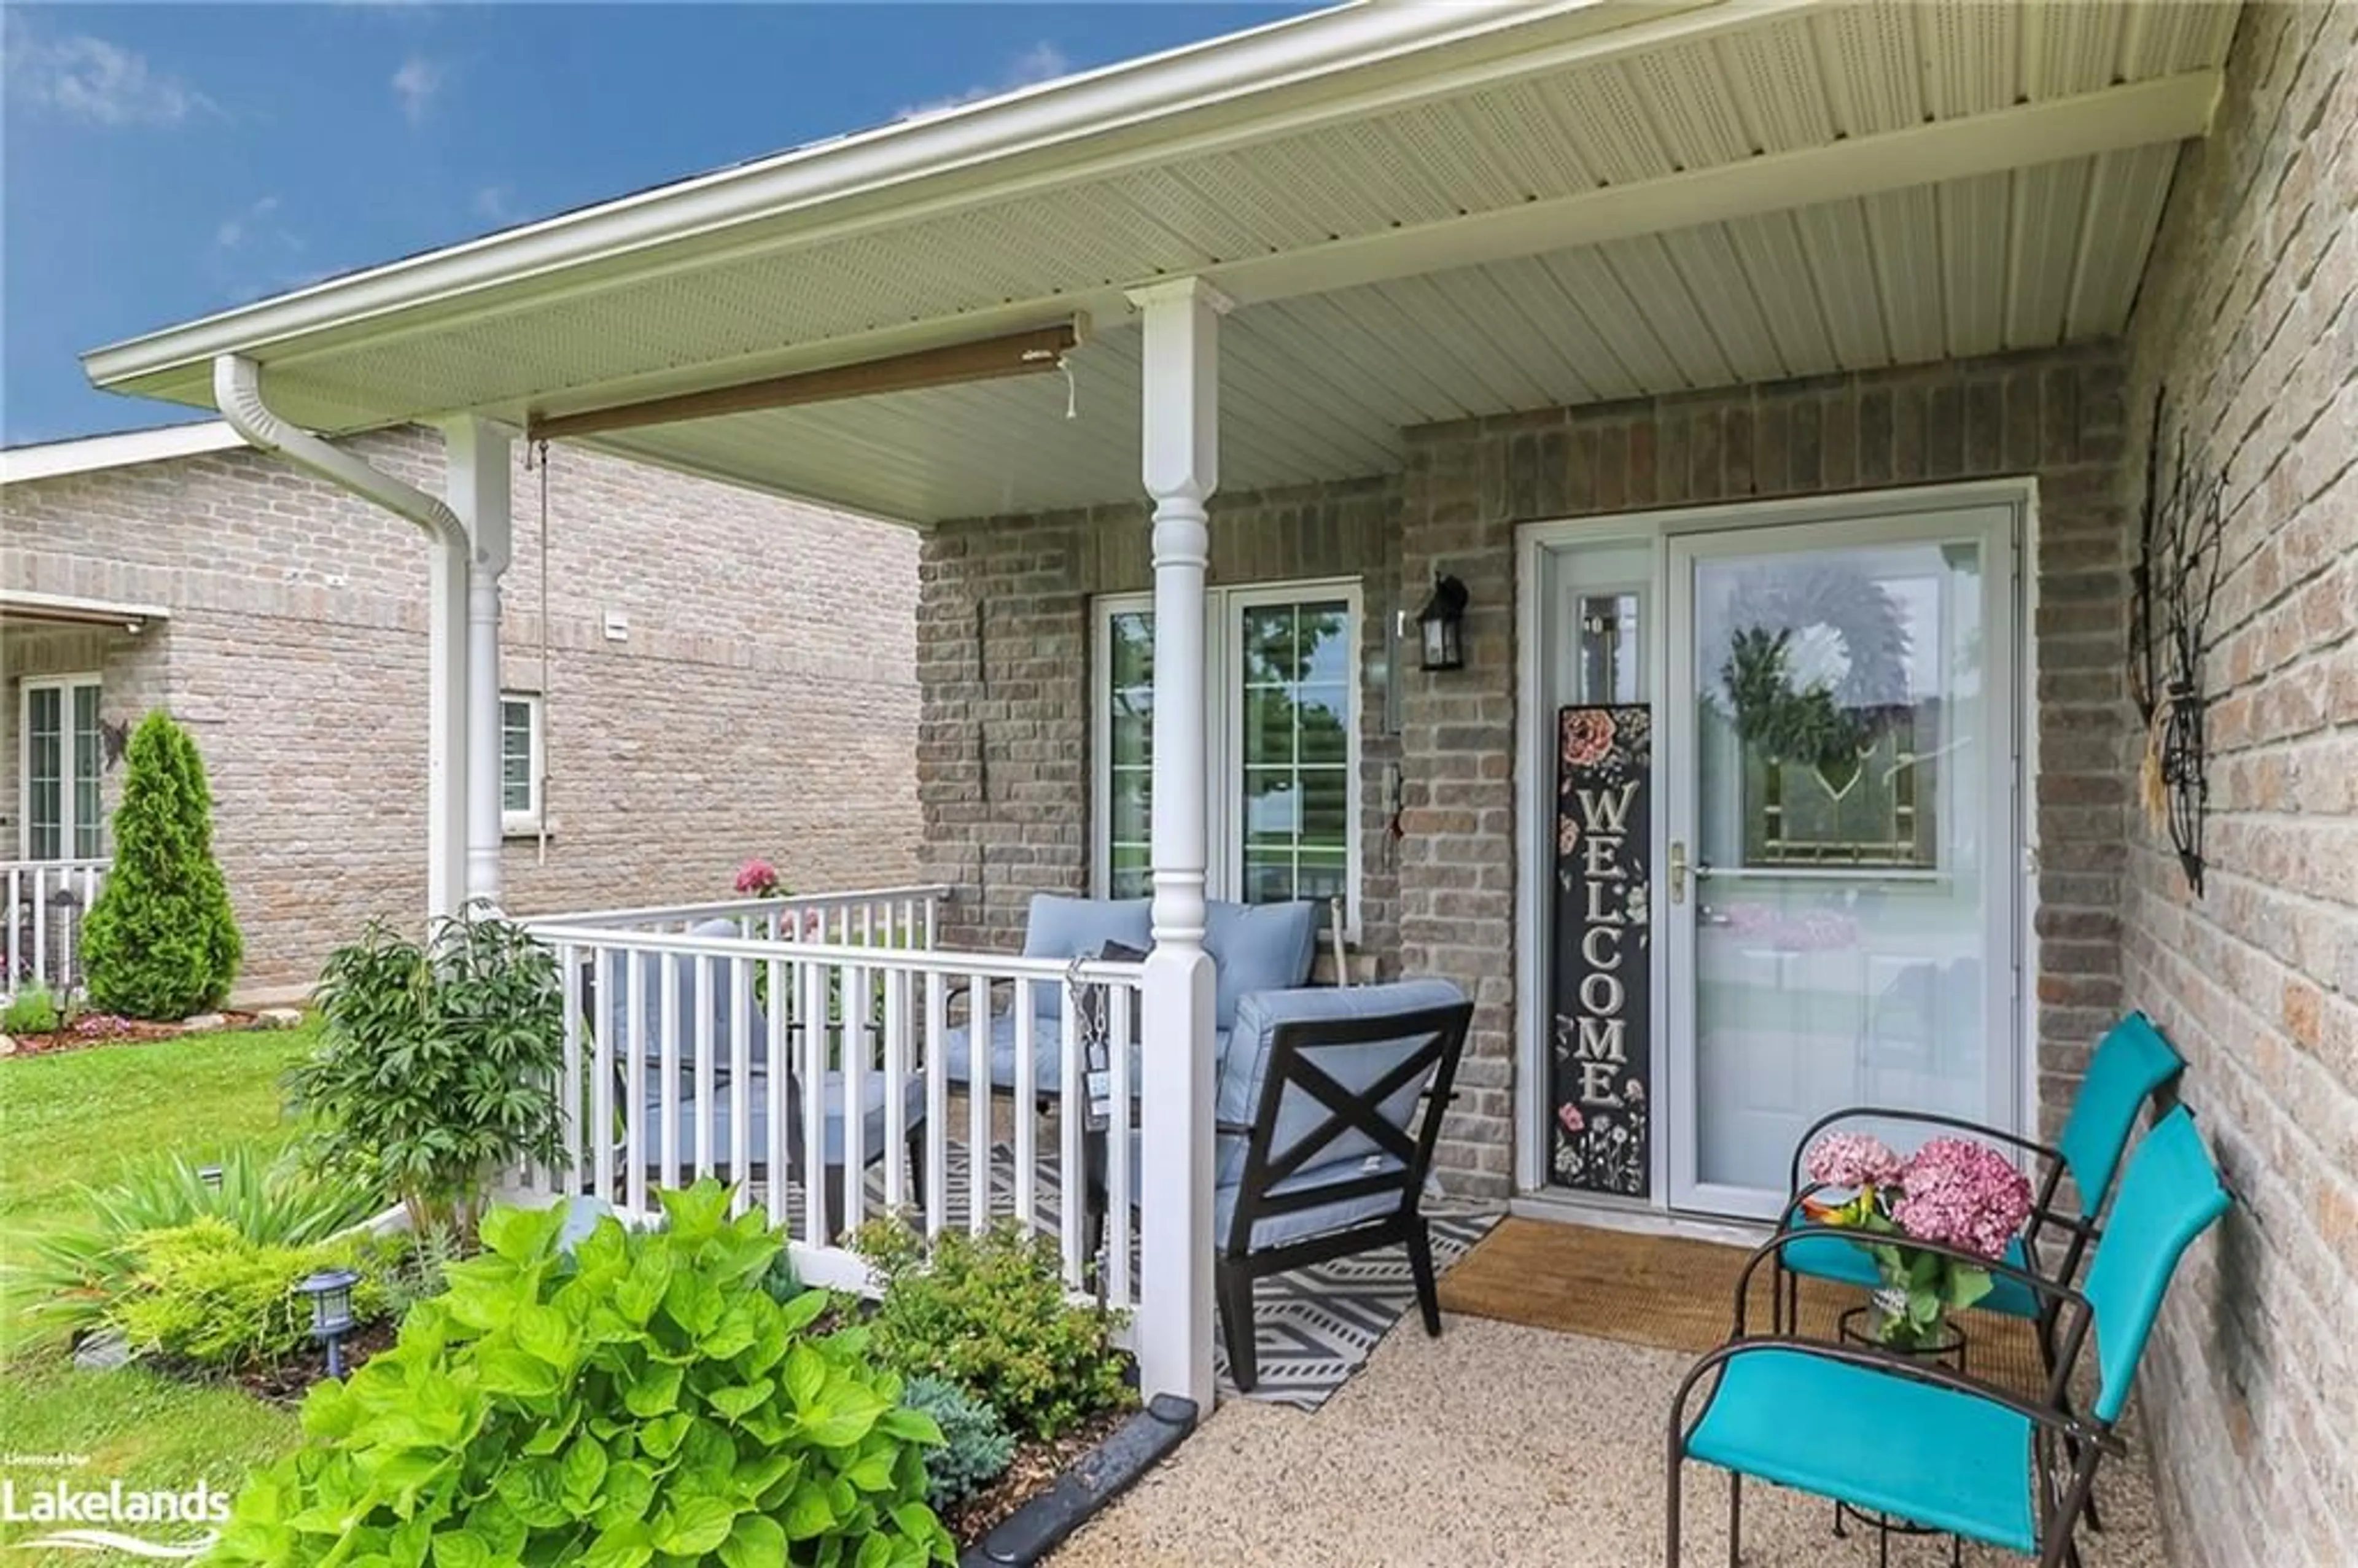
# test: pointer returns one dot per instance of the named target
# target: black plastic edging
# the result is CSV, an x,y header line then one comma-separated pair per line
x,y
1096,1479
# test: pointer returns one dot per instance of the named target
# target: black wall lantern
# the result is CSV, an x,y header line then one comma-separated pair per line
x,y
1440,626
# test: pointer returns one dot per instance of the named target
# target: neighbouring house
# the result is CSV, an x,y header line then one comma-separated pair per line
x,y
722,674
1663,514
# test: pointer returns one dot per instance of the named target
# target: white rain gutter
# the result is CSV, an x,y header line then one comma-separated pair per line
x,y
972,146
237,390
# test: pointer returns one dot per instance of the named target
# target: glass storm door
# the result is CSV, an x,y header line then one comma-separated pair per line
x,y
63,821
1841,821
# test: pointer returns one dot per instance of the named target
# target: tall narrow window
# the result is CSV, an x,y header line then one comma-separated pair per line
x,y
60,767
1280,691
519,763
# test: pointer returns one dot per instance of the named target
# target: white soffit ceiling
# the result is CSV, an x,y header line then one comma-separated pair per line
x,y
1732,205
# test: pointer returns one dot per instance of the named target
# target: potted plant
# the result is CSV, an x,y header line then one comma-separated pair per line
x,y
1952,1192
440,1062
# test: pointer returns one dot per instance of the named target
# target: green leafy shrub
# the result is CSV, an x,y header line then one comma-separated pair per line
x,y
67,1280
32,1010
161,941
989,1313
640,1401
203,1294
977,1447
435,1067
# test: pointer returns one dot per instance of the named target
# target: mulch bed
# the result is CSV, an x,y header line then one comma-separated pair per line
x,y
284,1383
94,1029
1036,1468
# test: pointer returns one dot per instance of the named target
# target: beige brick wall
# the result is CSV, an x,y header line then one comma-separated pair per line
x,y
2247,316
1447,889
764,701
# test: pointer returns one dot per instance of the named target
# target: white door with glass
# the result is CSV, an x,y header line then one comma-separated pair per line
x,y
61,766
1839,775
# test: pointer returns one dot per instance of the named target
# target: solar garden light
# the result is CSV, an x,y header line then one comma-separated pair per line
x,y
211,1176
330,1291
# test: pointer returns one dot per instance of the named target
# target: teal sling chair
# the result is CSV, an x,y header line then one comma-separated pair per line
x,y
1915,1440
2131,1064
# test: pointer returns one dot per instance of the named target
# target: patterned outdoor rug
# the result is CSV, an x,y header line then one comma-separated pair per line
x,y
1311,1329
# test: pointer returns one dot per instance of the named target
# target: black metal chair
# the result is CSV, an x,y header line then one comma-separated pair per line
x,y
1322,1152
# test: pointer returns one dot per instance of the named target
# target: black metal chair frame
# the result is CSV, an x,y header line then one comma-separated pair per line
x,y
1292,1046
2084,1440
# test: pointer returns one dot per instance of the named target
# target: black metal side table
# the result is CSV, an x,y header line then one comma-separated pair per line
x,y
1855,1328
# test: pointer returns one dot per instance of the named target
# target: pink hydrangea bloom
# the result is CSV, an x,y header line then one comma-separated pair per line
x,y
1964,1195
757,878
1852,1160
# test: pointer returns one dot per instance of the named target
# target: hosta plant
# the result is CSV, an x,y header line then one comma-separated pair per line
x,y
643,1400
437,1062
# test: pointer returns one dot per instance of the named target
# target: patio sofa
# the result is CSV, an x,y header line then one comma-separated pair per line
x,y
1253,947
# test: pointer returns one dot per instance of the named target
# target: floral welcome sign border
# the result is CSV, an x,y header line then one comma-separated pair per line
x,y
1601,1078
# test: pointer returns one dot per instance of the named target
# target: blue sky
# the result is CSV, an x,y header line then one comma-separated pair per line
x,y
162,161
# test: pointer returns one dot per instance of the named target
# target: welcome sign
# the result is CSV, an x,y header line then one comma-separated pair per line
x,y
1601,1085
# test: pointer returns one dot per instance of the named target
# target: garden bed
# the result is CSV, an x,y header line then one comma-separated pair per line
x,y
92,1029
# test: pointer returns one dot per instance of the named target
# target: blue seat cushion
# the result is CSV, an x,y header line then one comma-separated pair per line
x,y
1843,1261
1256,947
1874,1441
1300,1225
1047,1055
1068,928
724,1146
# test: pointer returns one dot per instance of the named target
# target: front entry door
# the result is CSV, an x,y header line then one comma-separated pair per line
x,y
1841,825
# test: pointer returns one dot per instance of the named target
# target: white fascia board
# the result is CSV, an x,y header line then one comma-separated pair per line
x,y
65,608
91,454
1369,54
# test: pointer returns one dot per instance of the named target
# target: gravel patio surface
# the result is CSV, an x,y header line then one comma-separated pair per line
x,y
1499,1445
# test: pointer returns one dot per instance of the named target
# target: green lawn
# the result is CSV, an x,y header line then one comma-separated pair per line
x,y
75,1118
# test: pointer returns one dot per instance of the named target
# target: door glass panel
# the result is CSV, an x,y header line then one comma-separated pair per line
x,y
1130,739
1841,898
88,819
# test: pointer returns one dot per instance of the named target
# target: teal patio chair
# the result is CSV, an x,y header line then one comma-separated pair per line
x,y
1914,1440
2130,1065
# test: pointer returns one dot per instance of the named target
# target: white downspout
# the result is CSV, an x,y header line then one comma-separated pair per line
x,y
237,390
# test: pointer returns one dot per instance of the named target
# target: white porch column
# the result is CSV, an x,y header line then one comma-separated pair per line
x,y
1182,441
476,483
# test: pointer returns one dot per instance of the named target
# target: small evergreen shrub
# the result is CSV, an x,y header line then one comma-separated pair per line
x,y
161,943
642,1401
989,1313
66,1280
32,1010
412,1266
977,1447
436,1068
201,1292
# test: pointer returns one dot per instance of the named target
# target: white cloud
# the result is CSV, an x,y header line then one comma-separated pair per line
x,y
253,224
415,86
1043,61
87,78
496,204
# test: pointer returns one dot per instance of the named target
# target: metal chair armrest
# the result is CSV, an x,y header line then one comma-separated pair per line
x,y
1921,1118
2046,1289
2054,1417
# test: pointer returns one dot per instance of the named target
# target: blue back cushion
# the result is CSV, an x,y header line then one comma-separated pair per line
x,y
1257,948
1068,928
2170,1195
2131,1062
1244,1068
702,986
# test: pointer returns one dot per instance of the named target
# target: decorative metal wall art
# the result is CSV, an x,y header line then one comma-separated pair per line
x,y
2181,559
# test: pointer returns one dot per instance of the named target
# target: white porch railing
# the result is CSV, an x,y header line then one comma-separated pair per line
x,y
676,1044
46,902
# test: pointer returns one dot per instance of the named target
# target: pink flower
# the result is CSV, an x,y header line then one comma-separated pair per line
x,y
1852,1160
1570,1116
757,879
1587,736
1964,1195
